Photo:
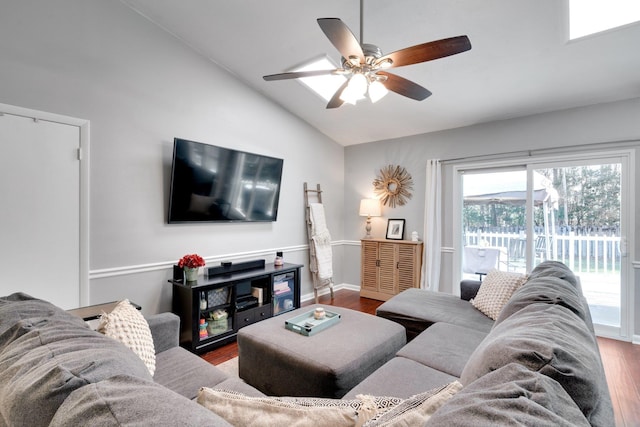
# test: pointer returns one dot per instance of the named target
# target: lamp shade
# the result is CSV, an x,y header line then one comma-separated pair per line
x,y
370,207
377,91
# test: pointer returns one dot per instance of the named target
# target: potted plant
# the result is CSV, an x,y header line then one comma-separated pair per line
x,y
190,264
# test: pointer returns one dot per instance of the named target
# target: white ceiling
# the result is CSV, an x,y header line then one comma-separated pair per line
x,y
520,62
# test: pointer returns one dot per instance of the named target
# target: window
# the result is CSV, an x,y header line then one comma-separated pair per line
x,y
592,16
569,209
325,86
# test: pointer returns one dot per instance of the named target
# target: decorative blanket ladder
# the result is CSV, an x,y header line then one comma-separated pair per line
x,y
320,254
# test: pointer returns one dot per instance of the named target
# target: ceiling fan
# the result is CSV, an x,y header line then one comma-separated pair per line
x,y
363,64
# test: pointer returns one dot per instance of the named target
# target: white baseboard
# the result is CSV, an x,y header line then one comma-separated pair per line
x,y
635,339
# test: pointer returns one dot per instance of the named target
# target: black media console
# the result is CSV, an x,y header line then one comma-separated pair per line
x,y
229,297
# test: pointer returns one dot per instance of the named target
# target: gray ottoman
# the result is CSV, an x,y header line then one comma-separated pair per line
x,y
280,362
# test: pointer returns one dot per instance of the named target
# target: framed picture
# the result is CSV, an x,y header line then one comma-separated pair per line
x,y
395,229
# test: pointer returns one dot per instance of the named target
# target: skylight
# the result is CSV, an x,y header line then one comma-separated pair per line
x,y
325,86
593,16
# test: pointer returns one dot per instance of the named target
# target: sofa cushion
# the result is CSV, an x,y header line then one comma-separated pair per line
x,y
46,353
236,384
555,269
20,306
547,290
185,373
165,330
495,291
551,340
125,400
510,395
444,347
417,309
401,377
127,325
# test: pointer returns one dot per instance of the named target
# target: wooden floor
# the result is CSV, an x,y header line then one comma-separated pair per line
x,y
621,360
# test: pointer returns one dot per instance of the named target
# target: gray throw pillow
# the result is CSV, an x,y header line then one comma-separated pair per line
x,y
46,354
554,269
551,340
547,290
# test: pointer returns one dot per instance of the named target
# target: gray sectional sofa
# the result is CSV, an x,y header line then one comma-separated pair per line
x,y
537,364
55,370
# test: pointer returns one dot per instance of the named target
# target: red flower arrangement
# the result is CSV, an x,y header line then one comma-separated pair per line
x,y
191,261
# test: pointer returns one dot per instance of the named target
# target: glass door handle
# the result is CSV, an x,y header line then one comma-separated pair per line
x,y
624,246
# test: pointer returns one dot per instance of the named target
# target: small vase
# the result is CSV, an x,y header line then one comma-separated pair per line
x,y
191,274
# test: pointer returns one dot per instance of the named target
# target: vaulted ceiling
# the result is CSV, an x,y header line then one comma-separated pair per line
x,y
521,61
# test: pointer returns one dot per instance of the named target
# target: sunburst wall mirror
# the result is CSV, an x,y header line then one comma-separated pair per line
x,y
393,186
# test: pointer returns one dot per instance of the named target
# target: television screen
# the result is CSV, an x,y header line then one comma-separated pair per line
x,y
210,183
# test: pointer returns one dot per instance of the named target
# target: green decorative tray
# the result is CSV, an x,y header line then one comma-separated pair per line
x,y
306,325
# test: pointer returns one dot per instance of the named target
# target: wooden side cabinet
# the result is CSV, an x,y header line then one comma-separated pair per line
x,y
388,267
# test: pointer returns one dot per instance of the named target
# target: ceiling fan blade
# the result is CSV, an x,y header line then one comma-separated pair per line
x,y
404,87
298,74
341,37
335,100
428,51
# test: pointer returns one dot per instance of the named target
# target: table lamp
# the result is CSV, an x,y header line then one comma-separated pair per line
x,y
369,208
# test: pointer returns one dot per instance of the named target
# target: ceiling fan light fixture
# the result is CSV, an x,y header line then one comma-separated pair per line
x,y
350,97
364,64
355,90
354,61
377,91
385,63
358,84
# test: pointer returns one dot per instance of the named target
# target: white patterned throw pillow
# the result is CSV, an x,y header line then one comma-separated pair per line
x,y
363,411
127,325
496,289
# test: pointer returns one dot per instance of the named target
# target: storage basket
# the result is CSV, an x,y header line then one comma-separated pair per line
x,y
217,297
216,327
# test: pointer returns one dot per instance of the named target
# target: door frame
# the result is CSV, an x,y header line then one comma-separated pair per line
x,y
627,221
83,158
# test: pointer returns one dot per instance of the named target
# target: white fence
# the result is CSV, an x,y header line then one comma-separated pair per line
x,y
586,254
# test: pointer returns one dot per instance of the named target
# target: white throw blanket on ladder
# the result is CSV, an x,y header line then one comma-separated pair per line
x,y
321,241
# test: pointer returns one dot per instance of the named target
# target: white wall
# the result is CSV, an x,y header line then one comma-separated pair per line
x,y
140,88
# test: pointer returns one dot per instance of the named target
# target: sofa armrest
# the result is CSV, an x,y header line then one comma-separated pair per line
x,y
469,289
165,330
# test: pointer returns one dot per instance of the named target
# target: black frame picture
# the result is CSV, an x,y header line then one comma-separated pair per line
x,y
395,229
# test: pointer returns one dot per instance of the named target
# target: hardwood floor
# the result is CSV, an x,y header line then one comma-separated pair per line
x,y
621,360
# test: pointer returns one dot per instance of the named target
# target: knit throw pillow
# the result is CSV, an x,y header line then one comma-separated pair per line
x,y
127,325
363,411
495,291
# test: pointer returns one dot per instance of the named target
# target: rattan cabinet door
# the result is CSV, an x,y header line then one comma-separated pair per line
x,y
389,267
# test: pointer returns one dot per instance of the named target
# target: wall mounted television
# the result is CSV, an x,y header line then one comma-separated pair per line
x,y
216,184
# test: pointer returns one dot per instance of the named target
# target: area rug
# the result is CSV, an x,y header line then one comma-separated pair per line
x,y
230,367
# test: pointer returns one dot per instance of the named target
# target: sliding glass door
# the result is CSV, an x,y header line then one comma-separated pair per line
x,y
583,229
573,210
494,220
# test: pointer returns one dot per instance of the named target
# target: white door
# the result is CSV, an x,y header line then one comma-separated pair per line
x,y
40,209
